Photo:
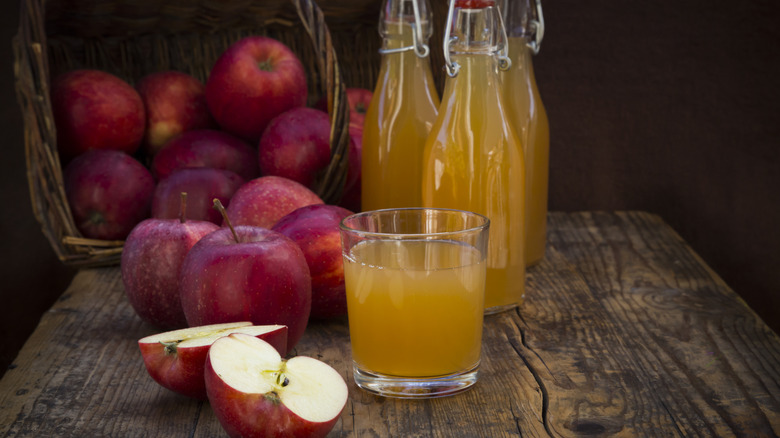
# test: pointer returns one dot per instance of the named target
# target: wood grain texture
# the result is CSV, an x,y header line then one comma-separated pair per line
x,y
624,332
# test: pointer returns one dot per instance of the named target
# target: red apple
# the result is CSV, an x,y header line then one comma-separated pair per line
x,y
358,100
175,102
315,228
202,185
296,145
206,148
96,110
109,192
263,201
247,274
177,359
255,393
151,261
253,81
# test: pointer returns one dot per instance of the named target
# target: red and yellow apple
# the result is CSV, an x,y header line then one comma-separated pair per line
x,y
315,228
206,148
175,102
94,109
150,264
296,145
202,185
177,359
358,100
253,81
256,393
108,192
246,273
263,201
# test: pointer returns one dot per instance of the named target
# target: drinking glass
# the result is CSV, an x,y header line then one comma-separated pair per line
x,y
415,284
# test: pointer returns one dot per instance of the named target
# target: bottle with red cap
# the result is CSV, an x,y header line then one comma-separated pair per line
x,y
473,158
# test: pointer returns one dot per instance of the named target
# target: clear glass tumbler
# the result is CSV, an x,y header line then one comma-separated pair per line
x,y
415,281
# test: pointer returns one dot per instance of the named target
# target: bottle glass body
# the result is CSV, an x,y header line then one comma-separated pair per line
x,y
527,113
399,118
473,161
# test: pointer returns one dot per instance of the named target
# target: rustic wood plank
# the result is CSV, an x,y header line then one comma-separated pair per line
x,y
670,345
625,332
81,374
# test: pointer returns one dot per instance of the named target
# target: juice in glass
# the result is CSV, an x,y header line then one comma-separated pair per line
x,y
397,122
415,286
415,307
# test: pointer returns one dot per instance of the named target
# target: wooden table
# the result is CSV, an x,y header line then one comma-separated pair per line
x,y
625,332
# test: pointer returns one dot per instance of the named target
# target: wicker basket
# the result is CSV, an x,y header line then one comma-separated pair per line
x,y
131,38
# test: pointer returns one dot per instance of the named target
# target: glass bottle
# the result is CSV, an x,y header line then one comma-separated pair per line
x,y
525,28
402,109
473,158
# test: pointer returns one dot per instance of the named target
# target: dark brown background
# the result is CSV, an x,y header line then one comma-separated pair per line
x,y
667,107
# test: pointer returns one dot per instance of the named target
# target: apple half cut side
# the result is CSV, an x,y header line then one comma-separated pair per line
x,y
176,359
255,393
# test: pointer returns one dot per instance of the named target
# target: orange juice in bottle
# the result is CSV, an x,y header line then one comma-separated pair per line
x,y
402,109
473,158
525,27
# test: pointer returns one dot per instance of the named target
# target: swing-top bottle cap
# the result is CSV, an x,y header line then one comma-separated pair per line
x,y
474,4
474,27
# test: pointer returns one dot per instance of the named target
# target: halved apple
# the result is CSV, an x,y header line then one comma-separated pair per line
x,y
255,393
175,359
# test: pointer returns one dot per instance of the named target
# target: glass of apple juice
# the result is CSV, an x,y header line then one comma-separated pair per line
x,y
415,283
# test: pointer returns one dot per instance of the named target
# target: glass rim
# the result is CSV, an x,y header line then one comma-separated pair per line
x,y
466,230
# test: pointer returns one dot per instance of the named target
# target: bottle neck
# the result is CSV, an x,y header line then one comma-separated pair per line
x,y
475,28
523,18
399,36
519,50
517,17
405,25
477,73
475,92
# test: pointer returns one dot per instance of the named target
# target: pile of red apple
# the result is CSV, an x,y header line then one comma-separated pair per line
x,y
147,164
123,146
246,138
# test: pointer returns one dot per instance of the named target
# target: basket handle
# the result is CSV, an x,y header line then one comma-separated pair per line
x,y
330,183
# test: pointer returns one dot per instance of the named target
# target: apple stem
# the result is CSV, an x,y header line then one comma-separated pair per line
x,y
221,208
183,208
